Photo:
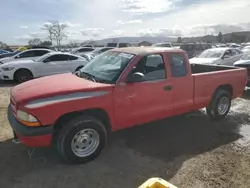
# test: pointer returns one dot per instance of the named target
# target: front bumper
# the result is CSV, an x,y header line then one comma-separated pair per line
x,y
6,75
30,136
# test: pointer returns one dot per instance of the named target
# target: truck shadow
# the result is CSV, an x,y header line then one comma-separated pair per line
x,y
132,156
246,95
4,83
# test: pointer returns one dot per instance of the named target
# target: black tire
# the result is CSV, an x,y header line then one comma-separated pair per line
x,y
78,68
23,75
212,109
71,129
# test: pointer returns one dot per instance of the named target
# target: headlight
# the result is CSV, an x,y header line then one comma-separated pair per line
x,y
8,68
27,119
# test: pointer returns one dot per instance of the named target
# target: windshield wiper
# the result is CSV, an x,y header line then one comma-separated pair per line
x,y
92,77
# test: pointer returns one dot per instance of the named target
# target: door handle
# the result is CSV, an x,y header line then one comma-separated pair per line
x,y
167,88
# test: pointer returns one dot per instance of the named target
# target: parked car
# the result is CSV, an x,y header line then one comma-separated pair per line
x,y
3,51
165,44
233,45
118,89
118,44
88,45
245,63
193,49
245,49
28,54
100,50
219,56
82,50
9,54
48,64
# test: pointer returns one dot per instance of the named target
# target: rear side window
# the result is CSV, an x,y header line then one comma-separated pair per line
x,y
40,52
85,50
73,57
59,57
177,65
166,45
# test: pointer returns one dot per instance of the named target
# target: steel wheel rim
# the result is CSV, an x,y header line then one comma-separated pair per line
x,y
85,142
223,105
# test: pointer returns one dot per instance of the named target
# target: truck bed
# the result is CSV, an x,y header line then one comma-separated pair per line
x,y
201,68
207,78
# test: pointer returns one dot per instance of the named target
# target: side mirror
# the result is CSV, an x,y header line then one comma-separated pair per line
x,y
226,56
46,60
135,77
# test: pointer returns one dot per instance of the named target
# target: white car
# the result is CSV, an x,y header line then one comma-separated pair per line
x,y
245,49
48,64
82,50
218,56
166,44
27,54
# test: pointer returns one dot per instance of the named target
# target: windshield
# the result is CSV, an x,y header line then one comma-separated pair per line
x,y
246,56
211,54
108,66
96,51
161,45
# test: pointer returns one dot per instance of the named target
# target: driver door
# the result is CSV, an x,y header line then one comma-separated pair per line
x,y
54,64
140,102
227,58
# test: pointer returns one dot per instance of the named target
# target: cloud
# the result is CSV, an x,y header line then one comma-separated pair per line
x,y
160,32
23,27
91,31
129,22
146,6
135,17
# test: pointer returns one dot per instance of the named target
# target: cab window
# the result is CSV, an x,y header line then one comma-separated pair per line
x,y
177,65
152,66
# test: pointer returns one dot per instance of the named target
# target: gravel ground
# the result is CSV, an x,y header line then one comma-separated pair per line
x,y
188,151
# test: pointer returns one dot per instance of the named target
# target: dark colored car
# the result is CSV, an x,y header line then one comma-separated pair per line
x,y
193,49
9,54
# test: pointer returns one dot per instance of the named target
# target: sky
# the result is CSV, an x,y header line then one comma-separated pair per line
x,y
22,20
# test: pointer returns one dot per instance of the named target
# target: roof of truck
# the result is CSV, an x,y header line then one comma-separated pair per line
x,y
146,50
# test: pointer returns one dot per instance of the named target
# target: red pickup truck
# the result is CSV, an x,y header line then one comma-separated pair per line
x,y
118,89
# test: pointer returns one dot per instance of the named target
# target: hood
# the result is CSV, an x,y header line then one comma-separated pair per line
x,y
203,60
242,62
50,86
6,59
12,63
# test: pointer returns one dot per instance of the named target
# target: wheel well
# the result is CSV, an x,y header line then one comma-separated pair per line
x,y
226,87
22,69
97,113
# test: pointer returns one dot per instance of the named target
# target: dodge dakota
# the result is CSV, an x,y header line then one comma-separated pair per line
x,y
120,88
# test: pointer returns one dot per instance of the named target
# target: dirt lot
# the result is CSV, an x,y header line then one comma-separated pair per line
x,y
189,151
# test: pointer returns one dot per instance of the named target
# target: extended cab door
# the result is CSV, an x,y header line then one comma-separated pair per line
x,y
140,102
182,82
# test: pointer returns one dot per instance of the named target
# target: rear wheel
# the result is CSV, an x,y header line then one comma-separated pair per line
x,y
81,139
220,105
23,75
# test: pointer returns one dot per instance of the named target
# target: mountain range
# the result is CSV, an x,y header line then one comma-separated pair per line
x,y
206,38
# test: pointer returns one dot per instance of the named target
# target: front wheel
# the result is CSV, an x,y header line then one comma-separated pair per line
x,y
81,139
220,105
23,75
